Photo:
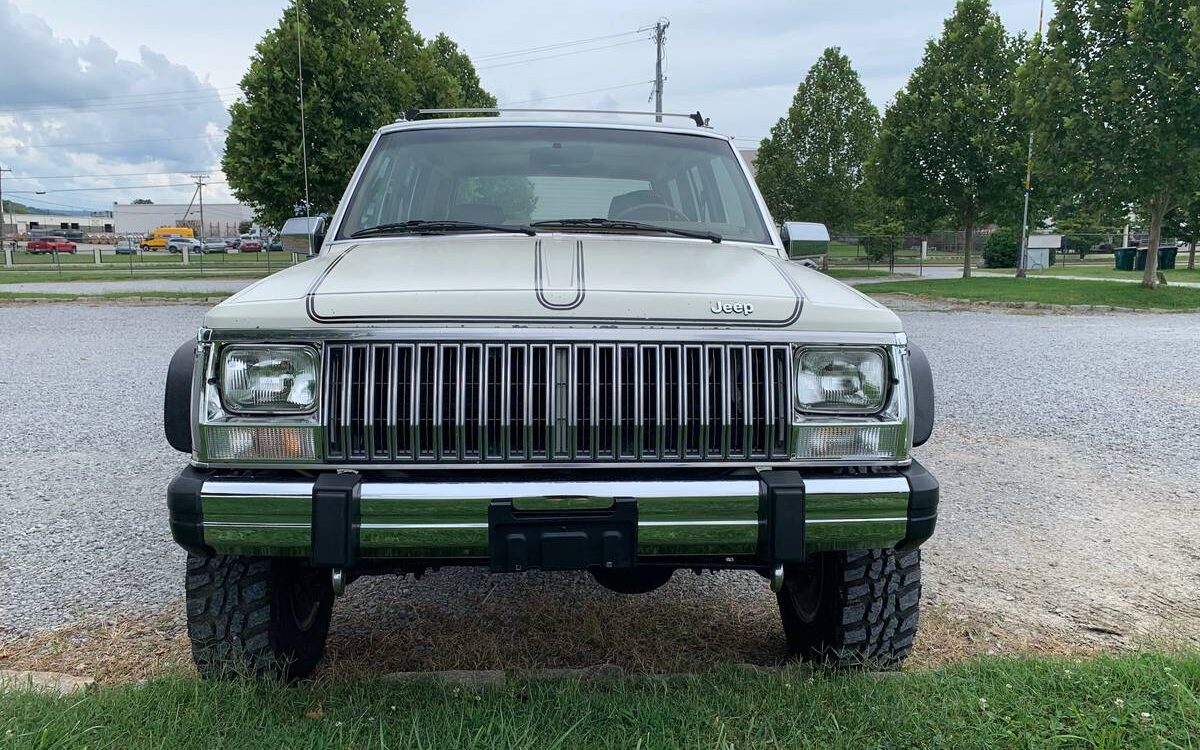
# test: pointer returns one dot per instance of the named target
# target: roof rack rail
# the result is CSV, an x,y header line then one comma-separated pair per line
x,y
413,114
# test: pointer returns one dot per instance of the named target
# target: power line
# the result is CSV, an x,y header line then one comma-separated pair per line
x,y
119,96
119,187
560,54
577,93
558,45
113,174
131,107
117,143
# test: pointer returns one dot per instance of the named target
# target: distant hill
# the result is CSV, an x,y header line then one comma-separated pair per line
x,y
20,208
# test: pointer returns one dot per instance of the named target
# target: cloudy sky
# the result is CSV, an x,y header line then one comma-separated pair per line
x,y
130,95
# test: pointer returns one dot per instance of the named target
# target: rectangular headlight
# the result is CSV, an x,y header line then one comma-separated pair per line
x,y
841,380
269,379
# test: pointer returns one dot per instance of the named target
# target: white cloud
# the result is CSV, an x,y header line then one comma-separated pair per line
x,y
77,108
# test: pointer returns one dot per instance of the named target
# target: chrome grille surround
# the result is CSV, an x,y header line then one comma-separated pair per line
x,y
495,402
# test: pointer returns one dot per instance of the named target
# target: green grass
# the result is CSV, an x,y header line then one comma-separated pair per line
x,y
1106,271
29,277
1052,291
1143,701
856,273
185,295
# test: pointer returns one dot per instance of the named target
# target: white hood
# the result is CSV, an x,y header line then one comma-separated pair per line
x,y
550,280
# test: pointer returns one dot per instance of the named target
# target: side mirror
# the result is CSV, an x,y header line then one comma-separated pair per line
x,y
805,239
303,234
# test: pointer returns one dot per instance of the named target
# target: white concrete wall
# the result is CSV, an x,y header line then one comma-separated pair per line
x,y
219,218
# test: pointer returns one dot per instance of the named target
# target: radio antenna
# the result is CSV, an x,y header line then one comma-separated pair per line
x,y
303,135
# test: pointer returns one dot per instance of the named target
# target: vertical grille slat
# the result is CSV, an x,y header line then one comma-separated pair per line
x,y
511,402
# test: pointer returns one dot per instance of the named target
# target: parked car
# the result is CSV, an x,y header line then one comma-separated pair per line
x,y
43,245
640,381
232,243
126,247
276,245
161,237
213,245
251,245
177,245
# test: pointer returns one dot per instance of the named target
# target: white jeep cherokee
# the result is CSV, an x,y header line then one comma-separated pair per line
x,y
558,346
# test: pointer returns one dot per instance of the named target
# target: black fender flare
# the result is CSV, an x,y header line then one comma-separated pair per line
x,y
177,399
923,397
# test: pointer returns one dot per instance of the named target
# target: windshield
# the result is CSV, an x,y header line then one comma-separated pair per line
x,y
518,175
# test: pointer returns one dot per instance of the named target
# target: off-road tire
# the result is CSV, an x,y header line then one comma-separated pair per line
x,y
853,610
256,617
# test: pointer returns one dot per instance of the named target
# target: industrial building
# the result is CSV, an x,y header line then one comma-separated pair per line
x,y
220,219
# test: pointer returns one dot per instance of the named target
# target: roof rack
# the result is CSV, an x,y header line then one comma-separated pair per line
x,y
413,114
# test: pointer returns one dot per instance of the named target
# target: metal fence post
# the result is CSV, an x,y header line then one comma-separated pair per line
x,y
96,253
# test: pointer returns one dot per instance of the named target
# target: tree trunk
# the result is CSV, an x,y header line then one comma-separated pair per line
x,y
969,245
1192,255
1158,209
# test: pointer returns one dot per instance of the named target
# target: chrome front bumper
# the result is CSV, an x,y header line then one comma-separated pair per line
x,y
449,521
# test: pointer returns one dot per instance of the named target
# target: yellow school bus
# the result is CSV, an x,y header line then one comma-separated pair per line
x,y
157,239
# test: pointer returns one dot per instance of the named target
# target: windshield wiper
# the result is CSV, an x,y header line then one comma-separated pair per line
x,y
437,226
624,224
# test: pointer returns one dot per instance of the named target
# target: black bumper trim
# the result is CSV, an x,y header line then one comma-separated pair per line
x,y
335,520
781,516
923,495
185,511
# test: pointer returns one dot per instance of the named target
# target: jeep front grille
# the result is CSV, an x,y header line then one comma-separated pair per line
x,y
569,402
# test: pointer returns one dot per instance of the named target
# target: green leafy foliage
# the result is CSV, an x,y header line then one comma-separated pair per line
x,y
951,144
1002,248
811,166
364,65
1117,107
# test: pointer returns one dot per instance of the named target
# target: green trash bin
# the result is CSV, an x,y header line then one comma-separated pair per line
x,y
1140,263
1124,258
1166,257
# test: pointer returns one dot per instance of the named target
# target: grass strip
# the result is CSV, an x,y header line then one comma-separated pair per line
x,y
1130,701
1049,291
76,296
856,273
40,277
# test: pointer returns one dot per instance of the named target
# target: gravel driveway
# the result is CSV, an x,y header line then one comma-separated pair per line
x,y
1067,448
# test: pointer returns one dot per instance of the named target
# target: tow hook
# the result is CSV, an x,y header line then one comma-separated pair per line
x,y
777,579
337,579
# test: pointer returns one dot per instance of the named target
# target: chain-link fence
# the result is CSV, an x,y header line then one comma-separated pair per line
x,y
91,258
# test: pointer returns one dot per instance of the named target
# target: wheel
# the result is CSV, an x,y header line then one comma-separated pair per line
x,y
261,617
852,609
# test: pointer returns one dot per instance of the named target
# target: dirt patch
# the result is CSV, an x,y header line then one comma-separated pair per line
x,y
640,640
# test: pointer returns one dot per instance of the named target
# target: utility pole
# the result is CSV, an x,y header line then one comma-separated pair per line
x,y
660,36
200,178
1024,254
2,171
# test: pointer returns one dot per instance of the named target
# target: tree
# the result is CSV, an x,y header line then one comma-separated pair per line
x,y
141,202
1184,224
811,166
950,146
364,65
1117,105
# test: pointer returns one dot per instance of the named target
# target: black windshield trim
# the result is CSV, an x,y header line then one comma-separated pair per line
x,y
440,226
626,225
